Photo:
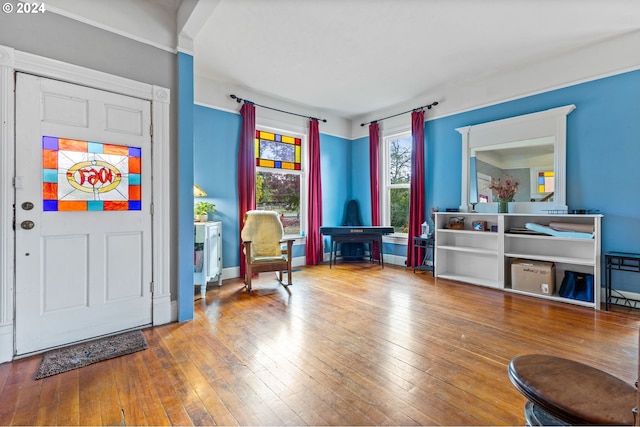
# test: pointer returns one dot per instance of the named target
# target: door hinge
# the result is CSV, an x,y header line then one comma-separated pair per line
x,y
151,209
151,286
150,130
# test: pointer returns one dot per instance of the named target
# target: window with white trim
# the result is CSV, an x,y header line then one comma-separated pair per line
x,y
396,181
280,178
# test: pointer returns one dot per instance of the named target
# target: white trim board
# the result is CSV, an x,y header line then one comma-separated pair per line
x,y
11,61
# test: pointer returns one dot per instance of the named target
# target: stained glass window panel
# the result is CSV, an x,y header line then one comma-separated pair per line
x,y
90,176
277,151
546,182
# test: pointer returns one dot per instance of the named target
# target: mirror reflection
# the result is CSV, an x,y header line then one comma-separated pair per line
x,y
529,162
530,148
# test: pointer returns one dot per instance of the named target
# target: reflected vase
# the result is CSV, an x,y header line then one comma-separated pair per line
x,y
503,205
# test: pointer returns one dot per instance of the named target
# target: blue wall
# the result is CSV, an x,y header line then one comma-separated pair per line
x,y
216,136
335,162
185,187
360,187
603,152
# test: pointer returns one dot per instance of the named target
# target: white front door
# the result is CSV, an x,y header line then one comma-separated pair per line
x,y
82,213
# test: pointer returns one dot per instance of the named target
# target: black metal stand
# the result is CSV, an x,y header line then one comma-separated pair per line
x,y
620,261
428,258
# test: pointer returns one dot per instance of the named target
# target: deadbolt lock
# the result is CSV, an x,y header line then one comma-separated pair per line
x,y
27,225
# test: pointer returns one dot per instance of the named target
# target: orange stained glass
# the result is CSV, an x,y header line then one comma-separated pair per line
x,y
75,205
135,165
288,165
121,150
72,145
134,192
116,206
49,191
267,163
288,139
49,159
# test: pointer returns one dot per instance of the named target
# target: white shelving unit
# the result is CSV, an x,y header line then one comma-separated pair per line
x,y
484,257
208,254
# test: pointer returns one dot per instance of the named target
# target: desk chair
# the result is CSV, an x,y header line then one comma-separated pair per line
x,y
262,238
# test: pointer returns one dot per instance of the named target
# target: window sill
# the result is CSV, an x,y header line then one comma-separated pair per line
x,y
396,239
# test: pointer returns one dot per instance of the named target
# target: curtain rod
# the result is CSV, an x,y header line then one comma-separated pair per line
x,y
239,100
428,107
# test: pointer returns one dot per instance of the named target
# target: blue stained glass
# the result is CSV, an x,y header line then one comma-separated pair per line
x,y
135,205
135,152
278,165
49,175
95,147
95,205
134,179
49,205
49,143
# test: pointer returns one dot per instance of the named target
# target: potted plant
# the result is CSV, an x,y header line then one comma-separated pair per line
x,y
202,210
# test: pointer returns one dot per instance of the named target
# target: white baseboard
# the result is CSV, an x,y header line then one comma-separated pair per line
x,y
230,273
162,310
174,311
300,261
395,260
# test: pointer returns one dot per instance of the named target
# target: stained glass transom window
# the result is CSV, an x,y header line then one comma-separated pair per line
x,y
277,151
90,176
546,182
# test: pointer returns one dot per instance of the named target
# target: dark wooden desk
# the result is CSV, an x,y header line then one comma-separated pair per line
x,y
355,234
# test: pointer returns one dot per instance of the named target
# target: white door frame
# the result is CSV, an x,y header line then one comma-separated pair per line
x,y
12,60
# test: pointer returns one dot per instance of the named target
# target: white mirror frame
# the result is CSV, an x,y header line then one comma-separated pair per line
x,y
546,123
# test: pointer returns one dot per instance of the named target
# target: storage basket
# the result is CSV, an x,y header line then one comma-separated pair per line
x,y
455,223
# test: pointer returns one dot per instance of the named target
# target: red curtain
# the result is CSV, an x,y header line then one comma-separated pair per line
x,y
314,217
246,170
374,177
416,193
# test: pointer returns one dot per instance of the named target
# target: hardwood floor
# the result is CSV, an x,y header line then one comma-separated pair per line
x,y
354,345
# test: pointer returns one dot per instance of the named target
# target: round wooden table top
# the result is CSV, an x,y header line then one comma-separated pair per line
x,y
572,391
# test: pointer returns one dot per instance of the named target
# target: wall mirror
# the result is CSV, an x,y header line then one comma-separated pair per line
x,y
530,149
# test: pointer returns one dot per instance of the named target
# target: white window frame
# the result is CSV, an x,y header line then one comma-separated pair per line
x,y
304,181
385,186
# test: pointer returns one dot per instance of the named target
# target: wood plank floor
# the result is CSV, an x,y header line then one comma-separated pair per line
x,y
354,345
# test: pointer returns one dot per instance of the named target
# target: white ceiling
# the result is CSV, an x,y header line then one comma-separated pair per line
x,y
352,57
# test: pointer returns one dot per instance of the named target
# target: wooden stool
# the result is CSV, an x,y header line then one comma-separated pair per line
x,y
572,391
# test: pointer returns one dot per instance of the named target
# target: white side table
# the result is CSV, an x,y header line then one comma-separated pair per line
x,y
207,254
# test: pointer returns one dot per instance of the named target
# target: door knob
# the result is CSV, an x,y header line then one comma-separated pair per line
x,y
27,225
27,206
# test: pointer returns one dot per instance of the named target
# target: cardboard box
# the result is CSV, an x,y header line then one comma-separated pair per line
x,y
538,277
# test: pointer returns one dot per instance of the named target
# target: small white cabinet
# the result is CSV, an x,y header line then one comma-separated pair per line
x,y
207,254
484,257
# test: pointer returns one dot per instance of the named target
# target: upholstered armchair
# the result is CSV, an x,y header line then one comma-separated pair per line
x,y
263,239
